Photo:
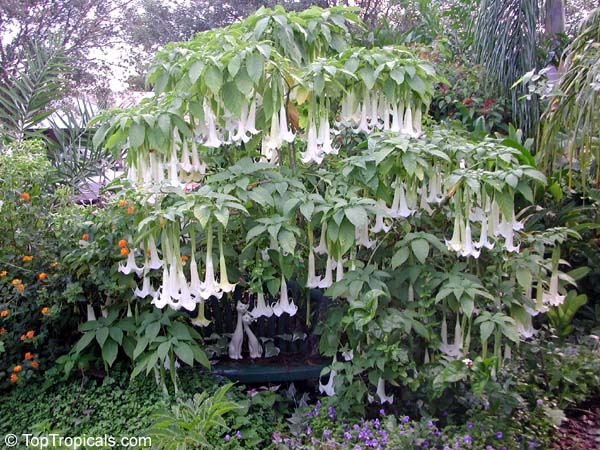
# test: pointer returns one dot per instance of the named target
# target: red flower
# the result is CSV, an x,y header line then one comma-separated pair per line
x,y
468,102
485,110
488,102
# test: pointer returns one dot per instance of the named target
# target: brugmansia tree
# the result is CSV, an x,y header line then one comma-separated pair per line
x,y
307,159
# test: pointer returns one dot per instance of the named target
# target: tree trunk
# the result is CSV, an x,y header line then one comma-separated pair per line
x,y
555,17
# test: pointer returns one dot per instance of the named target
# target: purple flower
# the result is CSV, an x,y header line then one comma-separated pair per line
x,y
357,447
470,424
539,402
326,434
356,426
499,435
446,448
347,436
331,412
430,424
425,444
489,447
405,419
532,445
227,438
382,412
308,430
238,434
467,439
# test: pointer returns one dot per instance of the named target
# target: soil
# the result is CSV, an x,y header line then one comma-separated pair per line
x,y
581,430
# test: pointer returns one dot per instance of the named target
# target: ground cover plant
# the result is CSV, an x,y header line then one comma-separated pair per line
x,y
279,157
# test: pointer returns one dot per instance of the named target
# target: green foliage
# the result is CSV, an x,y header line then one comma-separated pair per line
x,y
187,424
26,97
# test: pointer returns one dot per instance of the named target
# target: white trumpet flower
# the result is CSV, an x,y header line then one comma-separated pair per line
x,y
155,262
130,266
483,237
453,350
173,167
468,249
380,224
186,300
423,203
285,133
363,126
200,320
91,315
526,330
399,205
408,122
327,280
325,137
196,286
147,289
328,388
211,288
260,308
284,305
197,165
339,269
417,121
552,297
383,398
362,236
321,249
456,242
186,165
213,136
313,152
250,121
397,111
224,283
313,280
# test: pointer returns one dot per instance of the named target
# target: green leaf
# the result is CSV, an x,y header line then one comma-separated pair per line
x,y
163,350
184,353
140,347
524,278
136,135
101,335
417,84
180,331
486,330
116,334
109,352
213,78
152,331
467,305
400,257
195,71
254,66
368,76
232,98
287,240
234,65
84,341
420,248
307,209
357,216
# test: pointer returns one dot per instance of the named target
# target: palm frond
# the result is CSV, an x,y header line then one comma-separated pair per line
x,y
505,41
569,126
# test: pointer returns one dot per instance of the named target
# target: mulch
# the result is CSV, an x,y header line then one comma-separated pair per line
x,y
581,430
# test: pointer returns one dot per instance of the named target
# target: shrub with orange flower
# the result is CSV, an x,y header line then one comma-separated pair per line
x,y
25,197
28,356
53,264
122,243
13,378
44,310
3,273
30,334
21,287
124,251
17,369
122,202
85,237
27,258
130,210
34,364
16,281
3,331
22,337
4,313
184,259
42,276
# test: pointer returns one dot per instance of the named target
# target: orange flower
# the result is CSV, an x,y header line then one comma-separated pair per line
x,y
27,258
122,243
21,287
122,202
44,310
130,210
184,258
17,369
28,356
25,196
3,273
13,378
53,264
16,281
34,364
85,237
3,331
124,251
4,313
30,334
22,337
42,276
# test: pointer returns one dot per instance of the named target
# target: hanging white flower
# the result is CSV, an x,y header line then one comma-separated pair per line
x,y
200,320
313,280
321,249
285,134
313,152
155,262
468,248
383,398
212,139
327,280
284,305
328,388
130,266
261,309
